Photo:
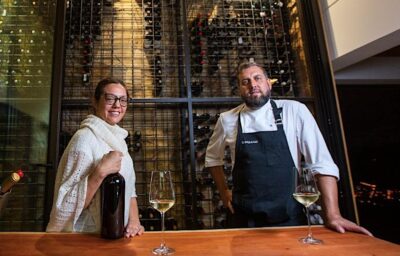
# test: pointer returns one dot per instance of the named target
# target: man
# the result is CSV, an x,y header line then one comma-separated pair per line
x,y
267,138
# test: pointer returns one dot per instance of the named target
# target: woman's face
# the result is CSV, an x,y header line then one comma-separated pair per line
x,y
112,104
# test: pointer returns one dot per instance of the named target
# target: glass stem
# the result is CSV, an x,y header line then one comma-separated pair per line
x,y
309,224
162,230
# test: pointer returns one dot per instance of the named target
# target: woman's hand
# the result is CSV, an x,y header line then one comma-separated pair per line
x,y
110,163
133,229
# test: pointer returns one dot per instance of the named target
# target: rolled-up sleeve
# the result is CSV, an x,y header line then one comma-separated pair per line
x,y
313,146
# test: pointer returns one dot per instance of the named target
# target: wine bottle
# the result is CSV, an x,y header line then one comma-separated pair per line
x,y
200,224
137,135
137,146
10,181
200,118
158,85
108,2
171,224
202,144
220,222
197,88
213,119
153,213
201,130
141,213
113,206
85,77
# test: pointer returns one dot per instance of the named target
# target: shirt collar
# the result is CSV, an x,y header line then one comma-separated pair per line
x,y
264,108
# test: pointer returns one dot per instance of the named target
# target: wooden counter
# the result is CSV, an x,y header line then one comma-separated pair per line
x,y
264,241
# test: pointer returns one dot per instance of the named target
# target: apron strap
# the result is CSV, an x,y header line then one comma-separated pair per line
x,y
277,114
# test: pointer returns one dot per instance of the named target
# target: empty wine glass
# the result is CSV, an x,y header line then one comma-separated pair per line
x,y
306,192
162,198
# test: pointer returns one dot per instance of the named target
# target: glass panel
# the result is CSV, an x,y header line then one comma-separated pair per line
x,y
26,46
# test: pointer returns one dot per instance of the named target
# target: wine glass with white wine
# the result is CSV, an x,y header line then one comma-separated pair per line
x,y
306,192
162,198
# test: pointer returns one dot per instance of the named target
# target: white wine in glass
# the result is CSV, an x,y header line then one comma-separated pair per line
x,y
306,192
162,198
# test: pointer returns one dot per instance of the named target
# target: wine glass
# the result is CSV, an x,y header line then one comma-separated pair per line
x,y
162,198
306,192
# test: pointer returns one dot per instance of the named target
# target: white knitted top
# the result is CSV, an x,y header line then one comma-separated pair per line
x,y
86,148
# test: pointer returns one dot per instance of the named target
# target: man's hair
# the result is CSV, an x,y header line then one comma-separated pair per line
x,y
245,65
103,83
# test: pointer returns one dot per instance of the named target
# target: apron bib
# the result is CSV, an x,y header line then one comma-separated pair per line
x,y
263,178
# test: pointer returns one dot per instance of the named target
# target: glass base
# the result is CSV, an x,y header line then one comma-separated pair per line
x,y
310,240
163,251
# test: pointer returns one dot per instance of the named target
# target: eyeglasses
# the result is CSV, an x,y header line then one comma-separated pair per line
x,y
111,99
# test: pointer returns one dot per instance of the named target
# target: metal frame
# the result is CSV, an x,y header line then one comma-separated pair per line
x,y
324,89
326,100
55,108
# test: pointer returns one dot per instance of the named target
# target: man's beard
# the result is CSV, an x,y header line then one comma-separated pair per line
x,y
255,103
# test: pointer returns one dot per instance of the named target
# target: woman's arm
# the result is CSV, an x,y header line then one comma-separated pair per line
x,y
110,163
134,227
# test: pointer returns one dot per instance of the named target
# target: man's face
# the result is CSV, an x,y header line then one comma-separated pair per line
x,y
255,88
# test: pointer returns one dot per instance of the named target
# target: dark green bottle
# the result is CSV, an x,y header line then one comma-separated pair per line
x,y
112,206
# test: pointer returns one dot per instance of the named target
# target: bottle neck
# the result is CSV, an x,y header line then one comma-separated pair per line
x,y
9,182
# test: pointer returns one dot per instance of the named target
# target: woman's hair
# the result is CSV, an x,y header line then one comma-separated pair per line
x,y
103,83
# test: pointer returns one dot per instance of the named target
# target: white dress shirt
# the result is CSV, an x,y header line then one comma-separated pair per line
x,y
302,133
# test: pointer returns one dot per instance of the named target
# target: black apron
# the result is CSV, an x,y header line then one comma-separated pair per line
x,y
263,179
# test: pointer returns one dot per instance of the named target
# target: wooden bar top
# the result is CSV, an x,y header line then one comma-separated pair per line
x,y
262,241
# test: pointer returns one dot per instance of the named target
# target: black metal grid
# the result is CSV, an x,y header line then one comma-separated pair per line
x,y
226,33
177,57
161,48
26,44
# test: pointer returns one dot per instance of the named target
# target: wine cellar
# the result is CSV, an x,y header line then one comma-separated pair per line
x,y
178,59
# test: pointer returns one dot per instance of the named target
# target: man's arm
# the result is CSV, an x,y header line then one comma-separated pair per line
x,y
329,197
217,172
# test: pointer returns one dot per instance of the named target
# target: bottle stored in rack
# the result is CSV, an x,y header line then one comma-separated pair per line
x,y
10,181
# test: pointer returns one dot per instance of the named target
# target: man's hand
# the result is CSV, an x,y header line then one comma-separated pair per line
x,y
217,172
329,198
226,198
341,225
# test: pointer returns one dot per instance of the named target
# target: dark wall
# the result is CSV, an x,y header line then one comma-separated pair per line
x,y
371,120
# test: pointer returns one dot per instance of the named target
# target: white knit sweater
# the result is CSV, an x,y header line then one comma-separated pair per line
x,y
86,148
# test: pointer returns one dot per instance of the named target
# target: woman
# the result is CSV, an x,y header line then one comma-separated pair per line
x,y
96,150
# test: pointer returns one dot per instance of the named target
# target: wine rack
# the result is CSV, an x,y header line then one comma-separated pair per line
x,y
178,59
225,33
26,50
